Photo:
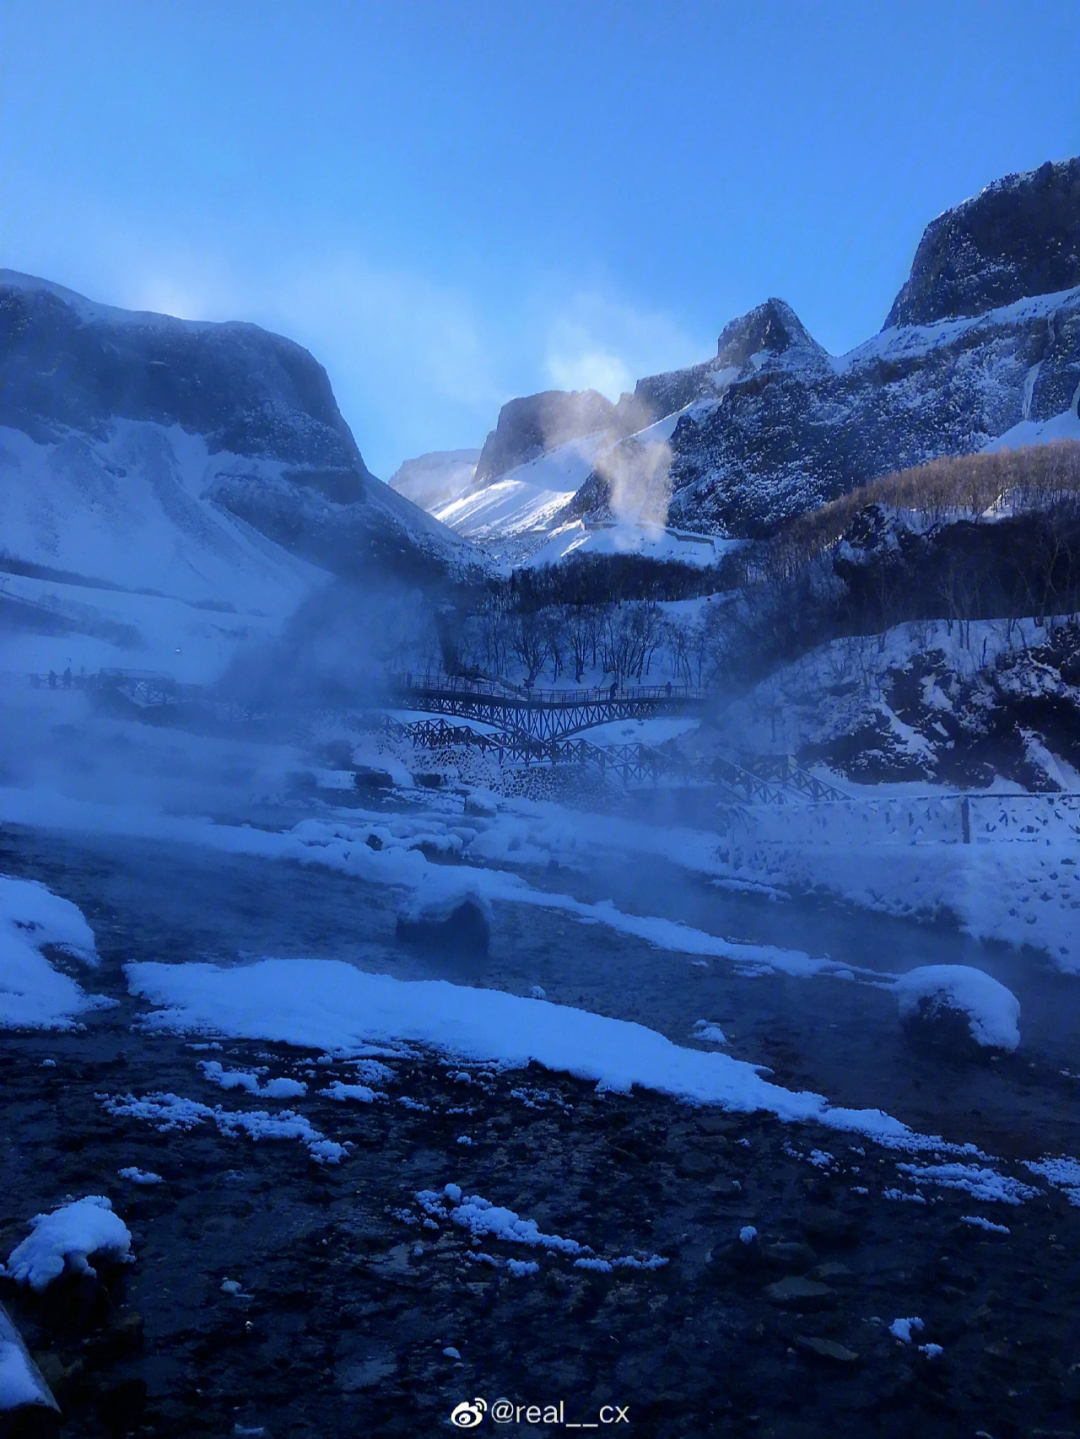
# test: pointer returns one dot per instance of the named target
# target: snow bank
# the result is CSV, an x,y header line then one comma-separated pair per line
x,y
67,1238
34,995
328,1003
992,1011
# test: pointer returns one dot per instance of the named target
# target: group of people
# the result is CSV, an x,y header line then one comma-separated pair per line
x,y
63,681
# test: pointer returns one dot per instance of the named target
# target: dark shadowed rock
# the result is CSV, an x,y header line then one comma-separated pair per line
x,y
827,1349
797,1293
459,926
1019,237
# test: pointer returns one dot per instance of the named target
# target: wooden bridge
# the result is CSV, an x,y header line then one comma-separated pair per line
x,y
540,714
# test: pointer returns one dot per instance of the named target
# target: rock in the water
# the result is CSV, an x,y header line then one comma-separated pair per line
x,y
458,925
958,1008
797,1293
827,1349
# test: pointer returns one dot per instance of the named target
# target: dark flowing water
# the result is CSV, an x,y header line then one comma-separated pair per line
x,y
173,902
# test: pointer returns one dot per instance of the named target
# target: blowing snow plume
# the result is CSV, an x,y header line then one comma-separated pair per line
x,y
637,475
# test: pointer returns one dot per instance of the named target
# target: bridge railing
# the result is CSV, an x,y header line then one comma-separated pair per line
x,y
449,686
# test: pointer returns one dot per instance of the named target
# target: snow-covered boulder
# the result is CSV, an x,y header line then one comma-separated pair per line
x,y
957,1005
26,1402
66,1239
451,918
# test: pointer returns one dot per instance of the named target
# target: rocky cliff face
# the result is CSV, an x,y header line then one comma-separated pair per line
x,y
528,427
984,339
1020,237
281,456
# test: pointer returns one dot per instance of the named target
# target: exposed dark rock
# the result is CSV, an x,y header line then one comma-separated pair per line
x,y
1019,237
827,1349
789,1256
797,1293
459,927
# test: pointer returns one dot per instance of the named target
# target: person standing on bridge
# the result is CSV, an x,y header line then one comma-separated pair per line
x,y
614,689
668,688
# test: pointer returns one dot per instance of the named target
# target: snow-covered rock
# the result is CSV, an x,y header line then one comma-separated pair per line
x,y
937,997
984,337
66,1239
454,919
22,1387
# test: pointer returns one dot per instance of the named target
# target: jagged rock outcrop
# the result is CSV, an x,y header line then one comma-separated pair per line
x,y
983,337
275,450
1020,237
529,426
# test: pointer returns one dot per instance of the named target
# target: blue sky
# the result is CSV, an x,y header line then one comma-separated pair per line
x,y
451,204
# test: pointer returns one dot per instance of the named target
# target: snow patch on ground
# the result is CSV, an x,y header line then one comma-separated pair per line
x,y
169,1112
484,1220
329,1003
1062,1172
33,994
249,1081
984,1184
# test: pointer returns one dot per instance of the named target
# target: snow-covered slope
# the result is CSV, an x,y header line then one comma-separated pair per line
x,y
69,367
511,515
435,479
170,489
113,555
529,513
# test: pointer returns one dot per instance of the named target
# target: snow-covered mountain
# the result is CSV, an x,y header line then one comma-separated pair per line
x,y
981,348
435,479
168,487
983,342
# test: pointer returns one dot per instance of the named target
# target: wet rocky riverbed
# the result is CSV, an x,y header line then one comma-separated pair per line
x,y
345,1293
